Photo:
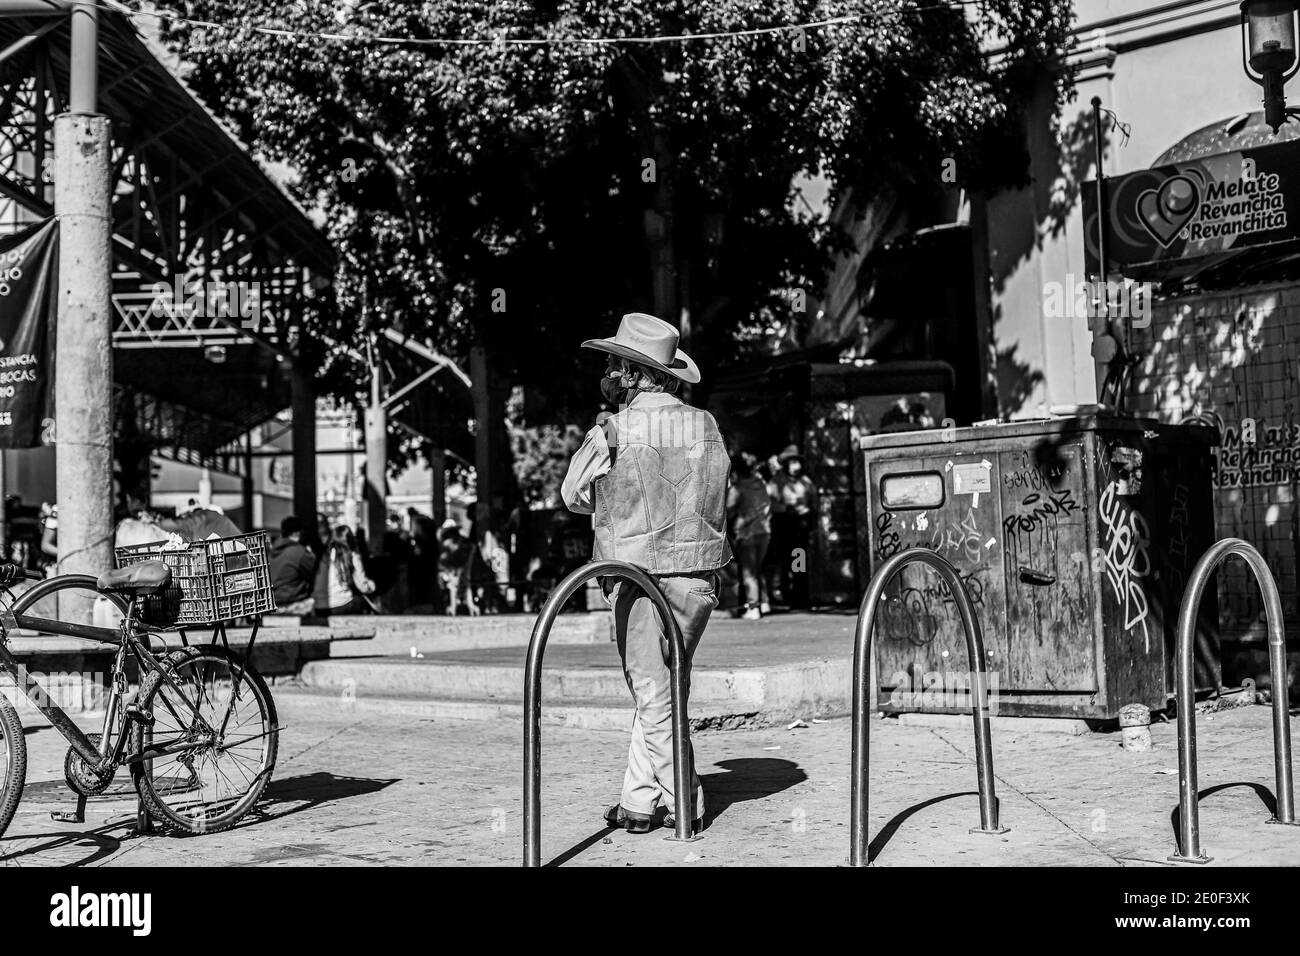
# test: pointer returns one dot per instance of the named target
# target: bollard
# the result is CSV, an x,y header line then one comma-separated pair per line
x,y
1189,824
1135,727
533,700
861,713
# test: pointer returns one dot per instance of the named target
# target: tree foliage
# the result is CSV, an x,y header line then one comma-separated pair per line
x,y
540,455
500,193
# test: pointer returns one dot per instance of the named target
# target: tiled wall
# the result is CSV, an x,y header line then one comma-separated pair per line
x,y
1236,355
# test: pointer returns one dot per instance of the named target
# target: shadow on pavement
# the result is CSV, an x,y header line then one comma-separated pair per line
x,y
282,798
877,845
307,791
577,848
1265,797
746,778
14,849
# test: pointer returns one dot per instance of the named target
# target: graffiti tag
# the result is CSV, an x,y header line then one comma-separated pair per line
x,y
888,542
962,538
1126,537
1041,511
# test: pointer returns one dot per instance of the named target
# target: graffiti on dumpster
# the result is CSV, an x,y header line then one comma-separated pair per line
x,y
961,538
1126,537
917,614
1039,510
1178,540
1035,479
888,542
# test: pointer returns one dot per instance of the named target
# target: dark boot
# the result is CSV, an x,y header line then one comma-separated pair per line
x,y
627,820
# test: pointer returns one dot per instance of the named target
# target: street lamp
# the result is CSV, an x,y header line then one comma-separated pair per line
x,y
1268,52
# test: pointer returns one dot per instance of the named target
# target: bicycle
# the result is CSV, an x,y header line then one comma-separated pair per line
x,y
199,734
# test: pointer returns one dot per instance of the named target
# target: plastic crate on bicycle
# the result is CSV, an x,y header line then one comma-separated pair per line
x,y
213,580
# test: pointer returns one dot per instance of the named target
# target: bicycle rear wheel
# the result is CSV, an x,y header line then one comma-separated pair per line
x,y
13,762
223,744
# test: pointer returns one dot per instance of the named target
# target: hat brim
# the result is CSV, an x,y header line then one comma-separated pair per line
x,y
683,366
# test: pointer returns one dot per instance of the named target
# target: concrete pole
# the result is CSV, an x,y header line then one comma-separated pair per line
x,y
4,512
438,472
981,268
485,462
376,429
303,403
83,371
205,488
251,521
83,79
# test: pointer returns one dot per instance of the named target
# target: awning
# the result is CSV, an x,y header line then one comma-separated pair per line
x,y
190,205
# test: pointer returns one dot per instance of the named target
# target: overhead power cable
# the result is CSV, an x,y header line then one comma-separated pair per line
x,y
504,40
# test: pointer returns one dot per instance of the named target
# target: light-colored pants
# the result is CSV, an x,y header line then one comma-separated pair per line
x,y
643,645
750,553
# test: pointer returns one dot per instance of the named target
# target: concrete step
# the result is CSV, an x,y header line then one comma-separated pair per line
x,y
725,695
590,714
400,635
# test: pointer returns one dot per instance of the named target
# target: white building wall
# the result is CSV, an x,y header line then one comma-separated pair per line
x,y
1166,70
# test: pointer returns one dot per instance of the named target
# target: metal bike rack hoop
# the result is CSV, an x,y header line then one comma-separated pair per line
x,y
861,718
1189,822
533,699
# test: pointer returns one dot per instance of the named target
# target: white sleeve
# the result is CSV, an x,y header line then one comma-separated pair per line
x,y
590,462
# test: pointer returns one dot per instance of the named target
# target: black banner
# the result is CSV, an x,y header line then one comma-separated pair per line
x,y
1226,907
29,271
1208,206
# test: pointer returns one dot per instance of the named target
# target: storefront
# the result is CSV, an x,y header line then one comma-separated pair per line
x,y
1202,233
1217,236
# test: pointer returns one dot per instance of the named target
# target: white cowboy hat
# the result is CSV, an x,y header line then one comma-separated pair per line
x,y
650,341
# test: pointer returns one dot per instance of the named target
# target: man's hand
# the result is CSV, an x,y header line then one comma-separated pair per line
x,y
602,417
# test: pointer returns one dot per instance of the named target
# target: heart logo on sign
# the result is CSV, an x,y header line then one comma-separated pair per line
x,y
1166,210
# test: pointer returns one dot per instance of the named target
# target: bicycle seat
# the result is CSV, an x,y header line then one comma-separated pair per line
x,y
147,577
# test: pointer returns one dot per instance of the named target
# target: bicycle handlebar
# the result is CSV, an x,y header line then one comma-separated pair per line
x,y
9,573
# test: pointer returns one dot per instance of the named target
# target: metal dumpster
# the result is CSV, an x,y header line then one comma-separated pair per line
x,y
1074,537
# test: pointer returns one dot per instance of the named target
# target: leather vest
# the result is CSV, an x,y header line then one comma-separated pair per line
x,y
663,504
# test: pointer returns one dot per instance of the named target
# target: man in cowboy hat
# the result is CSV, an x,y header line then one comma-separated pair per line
x,y
794,508
653,475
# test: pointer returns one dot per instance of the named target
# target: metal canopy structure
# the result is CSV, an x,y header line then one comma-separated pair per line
x,y
214,265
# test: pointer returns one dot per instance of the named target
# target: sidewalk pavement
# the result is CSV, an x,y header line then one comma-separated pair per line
x,y
356,788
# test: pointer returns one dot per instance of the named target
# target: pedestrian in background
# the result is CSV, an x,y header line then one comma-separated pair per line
x,y
454,558
293,569
341,584
425,589
49,537
321,543
794,507
199,523
749,513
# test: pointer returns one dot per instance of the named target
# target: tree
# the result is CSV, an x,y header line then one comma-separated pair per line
x,y
526,195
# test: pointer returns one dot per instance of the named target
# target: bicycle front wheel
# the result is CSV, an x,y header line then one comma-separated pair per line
x,y
13,762
213,740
